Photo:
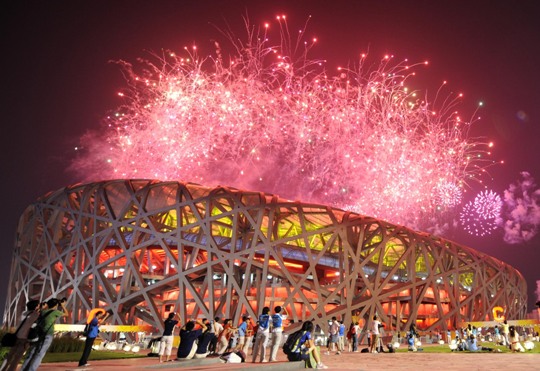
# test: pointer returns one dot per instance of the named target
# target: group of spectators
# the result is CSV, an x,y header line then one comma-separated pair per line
x,y
37,323
203,338
35,334
199,339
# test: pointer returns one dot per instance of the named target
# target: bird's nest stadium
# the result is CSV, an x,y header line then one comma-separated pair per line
x,y
144,248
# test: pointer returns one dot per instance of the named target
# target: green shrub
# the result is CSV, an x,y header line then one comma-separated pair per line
x,y
66,344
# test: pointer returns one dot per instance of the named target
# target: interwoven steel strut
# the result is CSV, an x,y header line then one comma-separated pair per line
x,y
143,248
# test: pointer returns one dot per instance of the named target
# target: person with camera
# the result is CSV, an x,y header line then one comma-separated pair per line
x,y
21,343
93,330
375,334
165,346
188,336
45,325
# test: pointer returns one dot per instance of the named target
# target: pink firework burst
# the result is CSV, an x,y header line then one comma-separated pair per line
x,y
269,118
474,223
488,204
448,195
482,216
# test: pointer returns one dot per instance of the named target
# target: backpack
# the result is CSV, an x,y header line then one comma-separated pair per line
x,y
37,331
86,330
292,342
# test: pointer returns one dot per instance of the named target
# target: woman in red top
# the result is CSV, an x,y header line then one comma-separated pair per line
x,y
224,336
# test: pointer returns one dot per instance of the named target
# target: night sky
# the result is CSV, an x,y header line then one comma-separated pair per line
x,y
58,82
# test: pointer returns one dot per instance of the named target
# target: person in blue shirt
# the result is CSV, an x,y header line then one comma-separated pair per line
x,y
341,337
242,330
263,334
277,333
306,347
93,331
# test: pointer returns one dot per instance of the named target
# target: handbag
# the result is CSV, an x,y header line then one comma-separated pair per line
x,y
9,339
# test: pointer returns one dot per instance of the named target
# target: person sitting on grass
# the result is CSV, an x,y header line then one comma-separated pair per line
x,y
472,345
306,347
513,335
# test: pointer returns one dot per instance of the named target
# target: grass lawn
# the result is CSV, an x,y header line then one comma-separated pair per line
x,y
95,355
435,348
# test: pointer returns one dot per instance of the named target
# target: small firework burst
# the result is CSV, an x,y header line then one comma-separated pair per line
x,y
480,217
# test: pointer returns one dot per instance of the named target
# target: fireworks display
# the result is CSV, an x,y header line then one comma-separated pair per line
x,y
482,216
269,118
448,195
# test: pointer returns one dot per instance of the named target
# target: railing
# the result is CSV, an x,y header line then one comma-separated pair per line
x,y
62,327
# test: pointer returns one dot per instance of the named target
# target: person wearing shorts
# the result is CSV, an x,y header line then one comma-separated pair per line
x,y
165,346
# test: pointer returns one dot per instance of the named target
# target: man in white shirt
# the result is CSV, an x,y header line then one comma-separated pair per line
x,y
216,328
374,334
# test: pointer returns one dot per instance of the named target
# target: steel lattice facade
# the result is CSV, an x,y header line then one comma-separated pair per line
x,y
143,248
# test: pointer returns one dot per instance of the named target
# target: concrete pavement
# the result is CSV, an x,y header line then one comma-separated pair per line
x,y
345,361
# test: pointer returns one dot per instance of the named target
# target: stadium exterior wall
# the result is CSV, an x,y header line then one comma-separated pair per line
x,y
144,248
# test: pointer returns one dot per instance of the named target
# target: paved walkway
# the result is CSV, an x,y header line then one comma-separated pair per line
x,y
345,361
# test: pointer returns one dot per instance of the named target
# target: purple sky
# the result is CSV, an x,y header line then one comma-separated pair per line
x,y
58,84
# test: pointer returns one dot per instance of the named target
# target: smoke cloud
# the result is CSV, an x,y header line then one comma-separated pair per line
x,y
522,210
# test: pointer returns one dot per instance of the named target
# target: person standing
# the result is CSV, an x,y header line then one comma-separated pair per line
x,y
374,334
277,333
353,337
45,322
165,346
250,330
263,334
21,344
93,332
216,329
224,336
242,331
413,334
333,332
498,338
505,334
341,337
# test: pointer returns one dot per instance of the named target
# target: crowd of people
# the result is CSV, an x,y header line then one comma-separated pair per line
x,y
200,338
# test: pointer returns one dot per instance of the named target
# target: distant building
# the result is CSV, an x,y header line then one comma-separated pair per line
x,y
144,248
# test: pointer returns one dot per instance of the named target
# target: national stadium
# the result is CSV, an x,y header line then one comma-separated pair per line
x,y
144,248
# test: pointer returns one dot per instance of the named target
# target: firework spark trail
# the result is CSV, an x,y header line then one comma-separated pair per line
x,y
271,119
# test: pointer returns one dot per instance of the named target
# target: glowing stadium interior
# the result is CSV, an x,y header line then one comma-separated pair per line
x,y
144,248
